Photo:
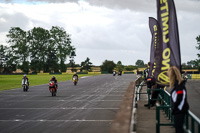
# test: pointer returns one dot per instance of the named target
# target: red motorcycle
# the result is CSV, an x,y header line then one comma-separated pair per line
x,y
52,88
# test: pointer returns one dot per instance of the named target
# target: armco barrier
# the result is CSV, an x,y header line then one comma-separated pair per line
x,y
104,72
94,72
195,76
128,73
82,72
42,73
58,73
67,73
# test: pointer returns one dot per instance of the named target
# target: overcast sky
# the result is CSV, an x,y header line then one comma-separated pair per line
x,y
116,30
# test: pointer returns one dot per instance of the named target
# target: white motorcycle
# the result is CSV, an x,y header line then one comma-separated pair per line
x,y
25,84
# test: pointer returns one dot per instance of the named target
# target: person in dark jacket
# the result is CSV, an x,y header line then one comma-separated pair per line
x,y
146,71
185,76
179,102
25,78
75,75
151,84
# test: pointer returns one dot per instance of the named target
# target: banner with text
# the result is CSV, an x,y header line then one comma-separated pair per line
x,y
156,48
167,20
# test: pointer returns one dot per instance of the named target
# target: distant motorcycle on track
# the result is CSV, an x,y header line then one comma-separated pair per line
x,y
75,80
25,84
52,88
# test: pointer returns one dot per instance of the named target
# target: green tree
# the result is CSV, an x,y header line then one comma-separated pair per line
x,y
198,47
11,61
18,43
130,68
119,66
140,63
108,66
2,57
193,64
52,61
184,66
72,64
39,41
62,42
86,65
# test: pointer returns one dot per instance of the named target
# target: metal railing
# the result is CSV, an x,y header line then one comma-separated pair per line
x,y
191,123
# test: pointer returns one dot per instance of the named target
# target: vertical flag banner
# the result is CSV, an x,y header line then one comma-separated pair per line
x,y
167,20
156,48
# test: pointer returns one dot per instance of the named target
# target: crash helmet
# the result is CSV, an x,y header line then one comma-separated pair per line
x,y
24,75
53,77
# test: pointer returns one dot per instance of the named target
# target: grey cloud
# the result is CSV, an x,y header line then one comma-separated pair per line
x,y
144,5
136,5
12,20
53,1
49,1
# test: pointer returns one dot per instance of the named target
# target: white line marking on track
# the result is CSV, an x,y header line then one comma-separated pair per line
x,y
62,100
85,77
19,120
60,108
68,96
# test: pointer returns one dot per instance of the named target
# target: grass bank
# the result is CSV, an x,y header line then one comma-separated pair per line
x,y
14,81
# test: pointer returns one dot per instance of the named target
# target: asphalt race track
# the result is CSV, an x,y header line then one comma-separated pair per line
x,y
89,107
193,90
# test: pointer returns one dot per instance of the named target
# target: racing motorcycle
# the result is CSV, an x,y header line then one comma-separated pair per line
x,y
114,73
75,80
52,88
25,84
185,77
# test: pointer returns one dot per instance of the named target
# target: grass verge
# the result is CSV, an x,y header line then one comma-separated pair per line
x,y
14,81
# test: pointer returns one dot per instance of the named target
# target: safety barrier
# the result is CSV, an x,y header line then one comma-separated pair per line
x,y
191,123
137,91
195,76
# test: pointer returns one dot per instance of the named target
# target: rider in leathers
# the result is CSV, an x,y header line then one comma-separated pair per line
x,y
55,81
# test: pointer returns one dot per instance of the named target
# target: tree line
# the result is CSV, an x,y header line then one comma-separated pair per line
x,y
38,49
47,50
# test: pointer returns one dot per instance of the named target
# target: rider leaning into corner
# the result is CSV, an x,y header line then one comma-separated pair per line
x,y
75,75
55,81
26,78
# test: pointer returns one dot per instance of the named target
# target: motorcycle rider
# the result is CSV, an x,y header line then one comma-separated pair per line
x,y
25,78
55,82
114,73
75,75
185,76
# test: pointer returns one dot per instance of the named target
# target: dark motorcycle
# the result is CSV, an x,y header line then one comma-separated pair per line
x,y
52,88
25,84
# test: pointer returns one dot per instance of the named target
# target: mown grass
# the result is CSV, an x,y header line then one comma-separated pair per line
x,y
14,81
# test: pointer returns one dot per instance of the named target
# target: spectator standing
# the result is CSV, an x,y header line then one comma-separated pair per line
x,y
146,72
179,102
